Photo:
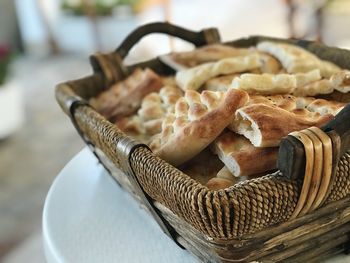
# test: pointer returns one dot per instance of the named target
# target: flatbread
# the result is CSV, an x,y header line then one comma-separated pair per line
x,y
149,118
198,119
341,81
221,83
194,78
264,124
241,158
306,84
296,59
203,55
125,97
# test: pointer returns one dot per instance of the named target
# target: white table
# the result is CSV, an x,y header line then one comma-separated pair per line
x,y
89,218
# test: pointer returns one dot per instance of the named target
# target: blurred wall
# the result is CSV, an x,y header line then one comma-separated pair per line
x,y
9,33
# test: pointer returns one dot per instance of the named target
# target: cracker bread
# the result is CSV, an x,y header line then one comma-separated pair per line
x,y
198,119
241,158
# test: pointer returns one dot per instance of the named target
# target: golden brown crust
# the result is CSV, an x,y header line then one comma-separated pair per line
x,y
125,97
241,157
207,54
266,125
194,78
191,129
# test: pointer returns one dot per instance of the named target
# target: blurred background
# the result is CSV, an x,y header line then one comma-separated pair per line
x,y
44,42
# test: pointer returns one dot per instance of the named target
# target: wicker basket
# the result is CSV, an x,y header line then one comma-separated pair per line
x,y
243,223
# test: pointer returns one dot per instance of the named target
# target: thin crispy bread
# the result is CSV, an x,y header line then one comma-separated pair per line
x,y
265,125
241,157
194,78
296,59
198,120
125,97
206,54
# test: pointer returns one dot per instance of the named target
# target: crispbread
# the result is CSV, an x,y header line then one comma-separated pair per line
x,y
241,157
265,124
295,59
198,119
194,78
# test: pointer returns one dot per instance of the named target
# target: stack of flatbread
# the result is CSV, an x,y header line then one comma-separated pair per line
x,y
221,118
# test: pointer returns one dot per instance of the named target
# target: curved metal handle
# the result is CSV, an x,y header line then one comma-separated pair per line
x,y
112,65
203,37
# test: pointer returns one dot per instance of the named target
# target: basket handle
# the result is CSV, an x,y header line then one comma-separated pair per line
x,y
112,64
291,156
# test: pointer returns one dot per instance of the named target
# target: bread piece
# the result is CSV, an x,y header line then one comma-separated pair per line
x,y
241,157
265,84
323,86
125,97
296,59
221,83
269,84
199,118
149,118
194,78
265,125
203,55
341,81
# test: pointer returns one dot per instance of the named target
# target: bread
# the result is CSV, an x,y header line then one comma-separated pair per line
x,y
296,59
341,81
265,124
221,83
149,118
198,119
203,55
194,78
125,97
241,158
306,84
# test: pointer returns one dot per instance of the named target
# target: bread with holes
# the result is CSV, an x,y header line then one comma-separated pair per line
x,y
241,158
198,119
264,121
296,59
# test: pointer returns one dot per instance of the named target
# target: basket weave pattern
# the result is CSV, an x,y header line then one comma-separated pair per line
x,y
242,209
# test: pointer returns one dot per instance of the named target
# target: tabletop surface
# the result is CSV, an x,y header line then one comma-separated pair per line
x,y
88,217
